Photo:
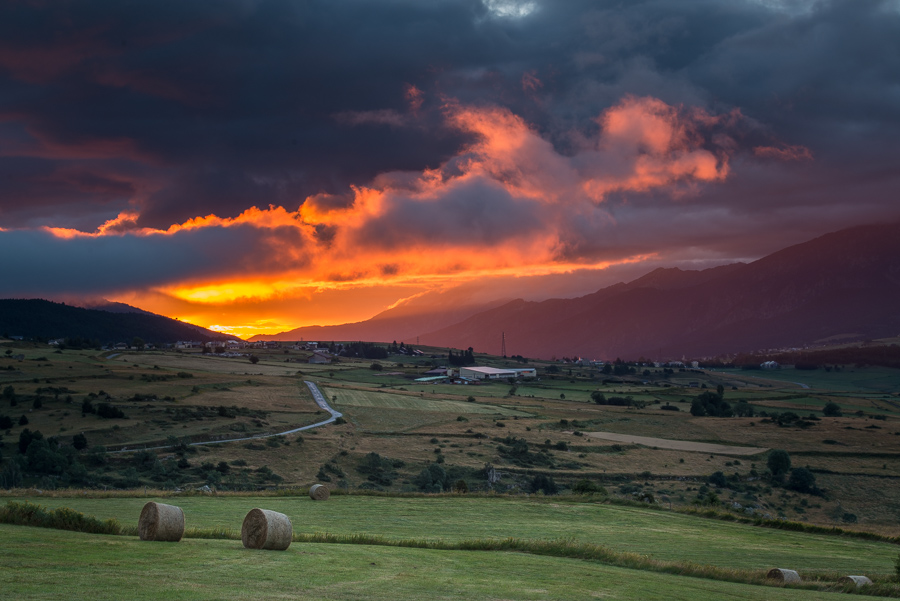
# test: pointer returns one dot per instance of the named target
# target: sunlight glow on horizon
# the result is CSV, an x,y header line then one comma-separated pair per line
x,y
507,205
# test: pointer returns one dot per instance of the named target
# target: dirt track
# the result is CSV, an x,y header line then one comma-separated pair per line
x,y
678,445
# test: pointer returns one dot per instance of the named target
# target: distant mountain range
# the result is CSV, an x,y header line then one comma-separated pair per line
x,y
841,286
36,318
401,323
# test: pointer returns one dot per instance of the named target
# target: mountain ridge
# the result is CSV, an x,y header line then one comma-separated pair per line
x,y
846,281
39,318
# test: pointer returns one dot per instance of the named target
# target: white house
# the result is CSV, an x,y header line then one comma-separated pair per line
x,y
493,373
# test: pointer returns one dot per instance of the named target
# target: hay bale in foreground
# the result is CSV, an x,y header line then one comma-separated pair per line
x,y
264,529
785,576
857,580
161,522
319,492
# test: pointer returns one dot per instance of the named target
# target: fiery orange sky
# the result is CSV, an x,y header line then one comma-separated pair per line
x,y
336,163
502,207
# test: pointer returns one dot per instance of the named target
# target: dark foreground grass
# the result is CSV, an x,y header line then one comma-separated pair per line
x,y
51,564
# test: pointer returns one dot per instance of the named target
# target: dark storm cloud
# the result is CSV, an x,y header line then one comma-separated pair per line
x,y
182,109
46,263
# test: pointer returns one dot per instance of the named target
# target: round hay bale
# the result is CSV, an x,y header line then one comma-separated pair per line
x,y
264,529
785,576
161,522
319,492
857,580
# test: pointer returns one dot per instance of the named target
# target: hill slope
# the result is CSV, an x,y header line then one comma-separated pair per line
x,y
844,284
36,318
402,323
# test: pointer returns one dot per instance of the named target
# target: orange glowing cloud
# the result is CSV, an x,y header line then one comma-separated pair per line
x,y
648,144
509,204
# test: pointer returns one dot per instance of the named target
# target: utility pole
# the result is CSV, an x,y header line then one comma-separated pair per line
x,y
503,344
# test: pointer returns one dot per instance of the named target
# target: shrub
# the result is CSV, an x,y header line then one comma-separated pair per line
x,y
379,470
779,462
79,441
802,480
710,404
432,479
544,484
107,411
26,437
585,487
718,479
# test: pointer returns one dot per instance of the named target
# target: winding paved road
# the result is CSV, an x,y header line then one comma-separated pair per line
x,y
318,397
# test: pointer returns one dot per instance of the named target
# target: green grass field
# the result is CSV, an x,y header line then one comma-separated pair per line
x,y
664,535
385,400
50,564
849,379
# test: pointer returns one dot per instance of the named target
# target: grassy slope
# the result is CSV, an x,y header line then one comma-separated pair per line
x,y
664,535
49,564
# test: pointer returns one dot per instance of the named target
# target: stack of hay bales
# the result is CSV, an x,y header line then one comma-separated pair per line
x,y
161,522
265,529
319,492
857,580
785,576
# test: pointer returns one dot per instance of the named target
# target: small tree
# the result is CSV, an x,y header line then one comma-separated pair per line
x,y
79,441
832,409
138,343
779,462
254,359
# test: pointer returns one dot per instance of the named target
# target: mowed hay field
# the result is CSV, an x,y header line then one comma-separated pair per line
x,y
665,535
223,365
384,400
51,564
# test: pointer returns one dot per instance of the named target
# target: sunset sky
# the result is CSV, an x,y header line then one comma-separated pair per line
x,y
255,166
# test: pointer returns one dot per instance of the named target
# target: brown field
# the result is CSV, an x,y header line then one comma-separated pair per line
x,y
854,458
